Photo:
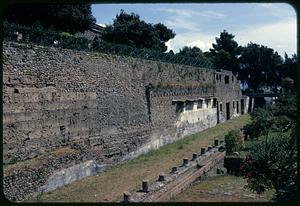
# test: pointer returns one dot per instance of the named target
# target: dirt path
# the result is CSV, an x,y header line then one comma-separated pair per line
x,y
110,185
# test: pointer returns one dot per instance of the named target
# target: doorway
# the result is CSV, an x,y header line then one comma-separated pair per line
x,y
242,106
218,113
250,105
227,110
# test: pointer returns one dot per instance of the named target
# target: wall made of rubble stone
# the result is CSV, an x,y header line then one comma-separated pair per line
x,y
54,98
107,108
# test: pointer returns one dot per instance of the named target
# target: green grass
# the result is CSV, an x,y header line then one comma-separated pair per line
x,y
109,186
221,189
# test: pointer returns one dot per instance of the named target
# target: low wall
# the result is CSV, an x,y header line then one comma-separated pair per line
x,y
201,166
71,174
233,165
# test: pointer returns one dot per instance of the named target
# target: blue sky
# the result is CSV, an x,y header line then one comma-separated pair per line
x,y
273,25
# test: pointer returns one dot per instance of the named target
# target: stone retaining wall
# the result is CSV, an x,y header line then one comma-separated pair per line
x,y
108,108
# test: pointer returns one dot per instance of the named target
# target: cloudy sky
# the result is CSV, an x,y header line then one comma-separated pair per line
x,y
273,25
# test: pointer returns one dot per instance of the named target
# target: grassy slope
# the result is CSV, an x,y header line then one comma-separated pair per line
x,y
110,185
221,189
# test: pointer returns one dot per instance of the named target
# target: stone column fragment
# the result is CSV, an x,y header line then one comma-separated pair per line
x,y
216,142
174,169
126,196
161,177
145,185
185,161
195,156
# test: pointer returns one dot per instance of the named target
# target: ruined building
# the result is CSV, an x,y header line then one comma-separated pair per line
x,y
62,108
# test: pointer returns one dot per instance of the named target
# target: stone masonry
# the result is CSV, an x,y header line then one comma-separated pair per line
x,y
200,167
68,107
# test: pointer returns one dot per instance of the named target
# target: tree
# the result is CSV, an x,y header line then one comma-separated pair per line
x,y
62,17
225,52
273,164
193,52
286,105
128,29
289,70
259,67
262,120
287,83
272,159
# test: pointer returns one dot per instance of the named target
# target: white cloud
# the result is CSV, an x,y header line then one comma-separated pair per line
x,y
281,36
204,46
191,13
192,31
188,21
168,44
180,23
103,25
198,39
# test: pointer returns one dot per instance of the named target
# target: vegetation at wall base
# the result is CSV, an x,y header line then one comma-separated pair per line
x,y
271,161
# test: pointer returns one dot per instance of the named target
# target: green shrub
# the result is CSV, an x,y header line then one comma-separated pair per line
x,y
65,34
234,141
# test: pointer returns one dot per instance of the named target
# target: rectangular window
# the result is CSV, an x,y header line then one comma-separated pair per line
x,y
208,103
237,107
179,107
226,79
214,103
221,107
189,105
199,104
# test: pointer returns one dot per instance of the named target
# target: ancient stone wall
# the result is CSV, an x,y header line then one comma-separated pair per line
x,y
230,98
105,108
56,98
